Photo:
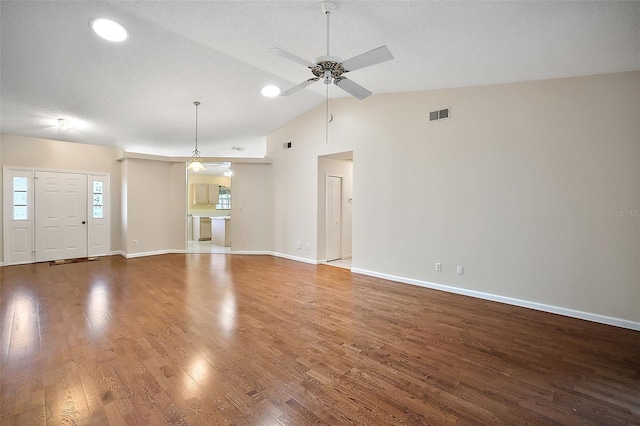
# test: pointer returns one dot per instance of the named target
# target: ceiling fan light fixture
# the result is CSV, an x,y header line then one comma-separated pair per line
x,y
270,91
109,30
327,77
195,165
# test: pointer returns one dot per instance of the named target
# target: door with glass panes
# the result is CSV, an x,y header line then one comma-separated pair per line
x,y
55,215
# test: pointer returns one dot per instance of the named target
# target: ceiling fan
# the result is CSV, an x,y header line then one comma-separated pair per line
x,y
331,69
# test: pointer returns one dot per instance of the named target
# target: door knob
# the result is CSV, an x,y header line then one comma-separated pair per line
x,y
84,221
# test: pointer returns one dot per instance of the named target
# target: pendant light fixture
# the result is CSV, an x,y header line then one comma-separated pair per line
x,y
196,162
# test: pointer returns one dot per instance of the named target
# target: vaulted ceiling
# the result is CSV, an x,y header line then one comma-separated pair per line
x,y
139,94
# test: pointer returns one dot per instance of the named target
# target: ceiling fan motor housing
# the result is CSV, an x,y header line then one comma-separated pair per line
x,y
334,68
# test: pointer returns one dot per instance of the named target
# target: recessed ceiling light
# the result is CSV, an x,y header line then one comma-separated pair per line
x,y
109,30
270,91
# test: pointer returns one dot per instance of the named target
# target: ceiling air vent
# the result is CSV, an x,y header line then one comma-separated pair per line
x,y
237,148
439,115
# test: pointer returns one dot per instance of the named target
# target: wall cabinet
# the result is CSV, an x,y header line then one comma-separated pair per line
x,y
200,193
204,193
212,192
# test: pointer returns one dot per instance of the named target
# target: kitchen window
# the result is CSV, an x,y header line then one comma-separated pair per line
x,y
224,198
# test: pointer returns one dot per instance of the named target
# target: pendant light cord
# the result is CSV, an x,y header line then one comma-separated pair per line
x,y
196,103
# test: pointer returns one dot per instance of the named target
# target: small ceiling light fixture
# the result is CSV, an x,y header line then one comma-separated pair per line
x,y
109,30
196,162
270,91
63,124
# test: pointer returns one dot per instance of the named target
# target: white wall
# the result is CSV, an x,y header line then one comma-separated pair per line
x,y
515,187
22,151
251,208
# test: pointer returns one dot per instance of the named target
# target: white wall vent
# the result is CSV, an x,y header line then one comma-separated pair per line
x,y
439,115
287,145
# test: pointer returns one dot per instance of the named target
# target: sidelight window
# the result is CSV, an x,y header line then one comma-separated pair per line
x,y
20,185
98,199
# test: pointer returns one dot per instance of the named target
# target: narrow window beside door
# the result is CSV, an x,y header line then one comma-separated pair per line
x,y
97,200
20,198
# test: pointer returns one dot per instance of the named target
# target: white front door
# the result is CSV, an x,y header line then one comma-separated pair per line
x,y
60,216
333,219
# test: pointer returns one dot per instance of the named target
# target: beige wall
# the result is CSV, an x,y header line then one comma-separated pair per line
x,y
252,208
515,187
156,209
22,151
206,209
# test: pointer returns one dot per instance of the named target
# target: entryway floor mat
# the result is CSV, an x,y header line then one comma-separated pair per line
x,y
78,260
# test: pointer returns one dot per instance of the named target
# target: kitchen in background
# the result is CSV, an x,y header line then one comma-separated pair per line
x,y
209,209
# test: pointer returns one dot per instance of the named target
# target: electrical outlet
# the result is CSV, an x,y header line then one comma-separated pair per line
x,y
135,242
308,246
299,245
244,240
460,270
438,266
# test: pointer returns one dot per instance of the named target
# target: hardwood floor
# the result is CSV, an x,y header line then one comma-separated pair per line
x,y
215,339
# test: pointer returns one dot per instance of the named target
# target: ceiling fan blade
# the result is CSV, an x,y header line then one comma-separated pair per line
x,y
352,88
372,57
299,87
295,58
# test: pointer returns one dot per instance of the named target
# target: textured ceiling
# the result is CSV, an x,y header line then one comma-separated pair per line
x,y
138,95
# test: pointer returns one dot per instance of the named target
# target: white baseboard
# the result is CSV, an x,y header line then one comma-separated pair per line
x,y
152,253
262,253
297,259
603,319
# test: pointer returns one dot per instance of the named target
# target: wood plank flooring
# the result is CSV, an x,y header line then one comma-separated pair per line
x,y
212,339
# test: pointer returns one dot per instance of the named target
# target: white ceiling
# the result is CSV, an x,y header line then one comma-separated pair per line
x,y
138,95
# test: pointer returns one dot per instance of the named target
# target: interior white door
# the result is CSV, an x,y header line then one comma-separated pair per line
x,y
18,216
333,218
60,216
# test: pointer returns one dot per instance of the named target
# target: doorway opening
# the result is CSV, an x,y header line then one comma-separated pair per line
x,y
209,209
335,201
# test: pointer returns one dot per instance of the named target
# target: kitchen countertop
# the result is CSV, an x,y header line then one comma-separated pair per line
x,y
213,217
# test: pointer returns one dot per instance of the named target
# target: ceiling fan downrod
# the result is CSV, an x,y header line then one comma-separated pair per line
x,y
327,8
